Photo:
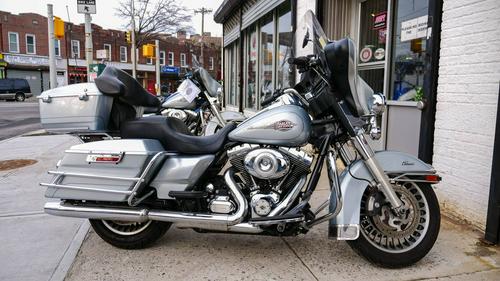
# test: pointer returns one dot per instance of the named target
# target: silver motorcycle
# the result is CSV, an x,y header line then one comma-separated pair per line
x,y
202,114
256,178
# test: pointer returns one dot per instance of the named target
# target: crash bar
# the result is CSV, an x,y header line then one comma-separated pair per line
x,y
93,176
83,188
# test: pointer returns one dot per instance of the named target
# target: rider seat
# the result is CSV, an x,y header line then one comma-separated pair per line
x,y
174,135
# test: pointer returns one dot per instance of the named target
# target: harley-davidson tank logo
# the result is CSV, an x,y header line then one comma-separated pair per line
x,y
284,125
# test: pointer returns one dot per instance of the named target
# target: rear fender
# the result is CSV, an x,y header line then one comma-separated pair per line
x,y
345,226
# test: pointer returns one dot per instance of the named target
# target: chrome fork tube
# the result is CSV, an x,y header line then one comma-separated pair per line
x,y
215,110
376,170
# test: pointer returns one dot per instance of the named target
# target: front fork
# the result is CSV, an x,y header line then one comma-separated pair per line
x,y
382,181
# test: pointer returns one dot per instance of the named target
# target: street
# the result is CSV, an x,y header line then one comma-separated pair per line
x,y
17,118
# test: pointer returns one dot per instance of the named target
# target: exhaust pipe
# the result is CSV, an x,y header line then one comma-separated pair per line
x,y
201,220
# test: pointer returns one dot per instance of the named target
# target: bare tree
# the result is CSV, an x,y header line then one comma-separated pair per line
x,y
153,17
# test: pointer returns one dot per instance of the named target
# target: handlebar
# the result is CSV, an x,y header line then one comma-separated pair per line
x,y
299,61
271,98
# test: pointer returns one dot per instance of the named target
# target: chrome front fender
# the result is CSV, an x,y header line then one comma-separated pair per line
x,y
345,226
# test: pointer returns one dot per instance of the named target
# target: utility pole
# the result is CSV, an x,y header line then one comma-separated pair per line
x,y
88,44
157,54
202,11
52,50
133,51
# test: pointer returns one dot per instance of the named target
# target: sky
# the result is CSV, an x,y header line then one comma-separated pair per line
x,y
105,16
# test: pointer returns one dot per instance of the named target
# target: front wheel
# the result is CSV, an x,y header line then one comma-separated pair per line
x,y
397,241
130,235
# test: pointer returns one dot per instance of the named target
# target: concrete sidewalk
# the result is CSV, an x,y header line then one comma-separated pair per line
x,y
186,255
35,246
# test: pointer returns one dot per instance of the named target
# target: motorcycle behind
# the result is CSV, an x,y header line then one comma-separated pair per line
x,y
196,103
256,178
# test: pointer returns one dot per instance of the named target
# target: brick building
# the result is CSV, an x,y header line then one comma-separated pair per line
x,y
24,45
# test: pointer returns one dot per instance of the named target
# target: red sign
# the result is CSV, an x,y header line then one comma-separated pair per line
x,y
380,21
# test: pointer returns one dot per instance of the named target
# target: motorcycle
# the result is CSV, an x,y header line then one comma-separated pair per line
x,y
200,112
256,178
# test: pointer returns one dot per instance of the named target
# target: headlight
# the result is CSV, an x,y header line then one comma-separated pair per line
x,y
379,103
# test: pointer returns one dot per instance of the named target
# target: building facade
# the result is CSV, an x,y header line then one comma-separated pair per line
x,y
435,60
24,45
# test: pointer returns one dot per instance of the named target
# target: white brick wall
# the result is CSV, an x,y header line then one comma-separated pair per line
x,y
468,84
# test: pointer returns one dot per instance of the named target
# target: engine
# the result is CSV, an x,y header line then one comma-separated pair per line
x,y
267,174
182,114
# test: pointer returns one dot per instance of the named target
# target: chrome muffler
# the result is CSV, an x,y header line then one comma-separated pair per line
x,y
196,220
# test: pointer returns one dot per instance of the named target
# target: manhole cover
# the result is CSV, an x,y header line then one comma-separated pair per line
x,y
15,163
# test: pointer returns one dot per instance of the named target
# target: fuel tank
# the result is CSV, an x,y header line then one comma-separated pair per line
x,y
177,101
286,125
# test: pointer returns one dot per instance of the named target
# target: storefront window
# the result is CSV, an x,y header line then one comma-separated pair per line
x,y
266,56
232,74
373,31
251,65
409,50
285,38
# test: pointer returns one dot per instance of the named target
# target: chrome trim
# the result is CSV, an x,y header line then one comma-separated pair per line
x,y
273,222
335,187
83,188
157,158
97,151
79,175
193,220
286,203
342,231
400,178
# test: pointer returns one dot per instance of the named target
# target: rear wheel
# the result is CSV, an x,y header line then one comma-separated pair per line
x,y
20,97
130,235
397,241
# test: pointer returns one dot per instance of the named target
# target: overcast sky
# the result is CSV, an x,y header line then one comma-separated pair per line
x,y
105,16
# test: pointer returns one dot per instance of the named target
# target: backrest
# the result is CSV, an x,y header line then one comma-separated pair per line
x,y
118,83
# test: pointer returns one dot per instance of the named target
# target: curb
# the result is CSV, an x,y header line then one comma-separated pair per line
x,y
69,256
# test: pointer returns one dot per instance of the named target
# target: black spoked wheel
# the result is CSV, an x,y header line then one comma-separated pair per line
x,y
395,241
130,235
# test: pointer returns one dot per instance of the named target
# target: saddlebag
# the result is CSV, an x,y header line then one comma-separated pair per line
x,y
109,170
75,108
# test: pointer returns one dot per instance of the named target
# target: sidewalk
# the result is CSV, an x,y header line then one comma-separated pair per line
x,y
35,246
183,254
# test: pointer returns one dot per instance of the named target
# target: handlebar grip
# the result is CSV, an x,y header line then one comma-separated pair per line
x,y
299,61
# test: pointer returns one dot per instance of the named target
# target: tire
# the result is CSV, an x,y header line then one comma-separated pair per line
x,y
373,242
20,97
128,235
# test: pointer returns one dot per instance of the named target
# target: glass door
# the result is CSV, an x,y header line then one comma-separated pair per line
x,y
372,48
407,69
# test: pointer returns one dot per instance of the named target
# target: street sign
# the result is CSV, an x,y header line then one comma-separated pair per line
x,y
86,6
102,54
170,69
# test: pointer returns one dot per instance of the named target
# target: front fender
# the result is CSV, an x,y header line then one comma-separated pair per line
x,y
345,226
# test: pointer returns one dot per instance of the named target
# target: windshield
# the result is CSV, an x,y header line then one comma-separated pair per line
x,y
310,35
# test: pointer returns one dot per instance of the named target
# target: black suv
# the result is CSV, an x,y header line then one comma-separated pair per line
x,y
14,89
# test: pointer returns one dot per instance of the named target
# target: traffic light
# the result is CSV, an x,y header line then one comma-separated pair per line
x,y
128,36
148,51
58,28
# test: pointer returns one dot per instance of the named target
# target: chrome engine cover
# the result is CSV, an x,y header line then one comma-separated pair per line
x,y
221,205
265,163
176,113
263,204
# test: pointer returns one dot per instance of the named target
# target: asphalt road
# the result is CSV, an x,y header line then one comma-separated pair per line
x,y
17,118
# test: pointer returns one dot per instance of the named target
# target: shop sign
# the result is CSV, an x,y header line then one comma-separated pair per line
x,y
29,60
380,21
414,28
169,69
366,54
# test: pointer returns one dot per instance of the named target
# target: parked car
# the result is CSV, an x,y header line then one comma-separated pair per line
x,y
14,89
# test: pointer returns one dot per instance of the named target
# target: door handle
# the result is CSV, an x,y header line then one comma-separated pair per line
x,y
421,105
